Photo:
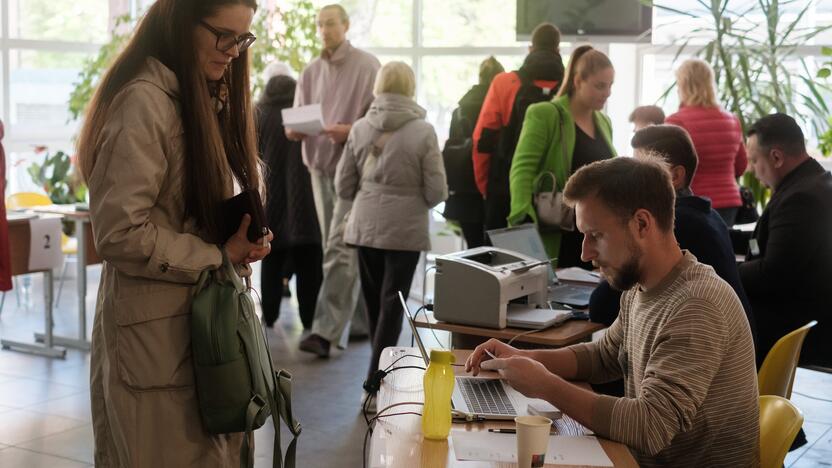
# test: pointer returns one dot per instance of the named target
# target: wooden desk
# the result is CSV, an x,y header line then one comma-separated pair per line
x,y
397,440
87,255
468,336
19,245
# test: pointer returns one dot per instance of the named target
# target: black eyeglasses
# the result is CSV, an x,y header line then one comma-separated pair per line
x,y
226,40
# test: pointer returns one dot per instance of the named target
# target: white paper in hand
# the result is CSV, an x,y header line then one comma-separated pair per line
x,y
305,119
45,244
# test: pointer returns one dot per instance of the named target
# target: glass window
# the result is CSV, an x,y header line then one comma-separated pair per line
x,y
41,82
469,23
75,21
380,24
445,79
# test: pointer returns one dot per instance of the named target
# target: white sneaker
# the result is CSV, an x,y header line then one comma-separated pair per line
x,y
369,407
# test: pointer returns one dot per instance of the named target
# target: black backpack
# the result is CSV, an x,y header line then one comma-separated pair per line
x,y
502,155
458,155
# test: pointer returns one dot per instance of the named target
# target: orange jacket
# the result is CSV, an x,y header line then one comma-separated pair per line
x,y
495,114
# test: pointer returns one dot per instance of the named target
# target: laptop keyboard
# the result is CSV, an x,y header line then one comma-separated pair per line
x,y
485,396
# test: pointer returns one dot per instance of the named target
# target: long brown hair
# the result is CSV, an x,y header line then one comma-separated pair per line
x,y
584,61
212,142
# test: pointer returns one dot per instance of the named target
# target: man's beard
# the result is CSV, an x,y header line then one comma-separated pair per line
x,y
628,275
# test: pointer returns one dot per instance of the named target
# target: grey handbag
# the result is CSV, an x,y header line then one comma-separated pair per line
x,y
552,212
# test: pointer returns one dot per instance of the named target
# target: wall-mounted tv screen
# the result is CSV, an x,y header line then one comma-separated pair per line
x,y
621,20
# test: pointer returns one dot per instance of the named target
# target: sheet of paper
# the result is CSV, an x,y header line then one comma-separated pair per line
x,y
305,119
45,244
578,274
563,450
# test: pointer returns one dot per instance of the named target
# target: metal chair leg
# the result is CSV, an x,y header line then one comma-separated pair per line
x,y
60,284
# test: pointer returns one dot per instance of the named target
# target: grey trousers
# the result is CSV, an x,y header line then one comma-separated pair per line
x,y
339,299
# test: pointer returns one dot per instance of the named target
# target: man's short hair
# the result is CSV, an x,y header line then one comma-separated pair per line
x,y
546,36
781,131
625,185
647,114
345,18
670,142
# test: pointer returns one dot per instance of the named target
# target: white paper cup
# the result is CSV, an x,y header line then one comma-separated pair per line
x,y
532,440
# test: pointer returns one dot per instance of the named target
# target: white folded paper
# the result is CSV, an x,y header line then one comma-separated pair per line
x,y
305,119
563,450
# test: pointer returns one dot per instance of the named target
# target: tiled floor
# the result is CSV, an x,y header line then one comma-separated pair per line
x,y
44,403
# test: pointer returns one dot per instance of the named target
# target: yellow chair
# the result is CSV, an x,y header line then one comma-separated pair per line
x,y
23,200
776,375
780,421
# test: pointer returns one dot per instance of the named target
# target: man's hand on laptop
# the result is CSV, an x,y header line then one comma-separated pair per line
x,y
492,348
524,374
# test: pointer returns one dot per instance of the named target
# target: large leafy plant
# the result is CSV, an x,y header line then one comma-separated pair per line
x,y
757,68
56,178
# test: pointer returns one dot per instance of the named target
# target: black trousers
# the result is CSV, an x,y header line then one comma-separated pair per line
x,y
474,233
497,209
383,274
306,262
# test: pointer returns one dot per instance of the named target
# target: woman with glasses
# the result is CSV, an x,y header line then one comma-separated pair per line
x,y
168,136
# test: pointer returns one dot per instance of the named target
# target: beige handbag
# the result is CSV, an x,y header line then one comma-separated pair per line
x,y
552,212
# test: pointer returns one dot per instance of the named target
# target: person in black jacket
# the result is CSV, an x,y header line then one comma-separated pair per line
x,y
697,226
788,270
290,209
465,204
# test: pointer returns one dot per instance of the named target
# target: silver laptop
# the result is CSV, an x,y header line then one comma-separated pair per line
x,y
526,240
485,397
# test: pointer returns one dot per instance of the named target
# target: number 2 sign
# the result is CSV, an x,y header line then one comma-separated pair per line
x,y
45,244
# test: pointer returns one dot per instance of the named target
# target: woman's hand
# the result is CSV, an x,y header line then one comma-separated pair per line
x,y
240,250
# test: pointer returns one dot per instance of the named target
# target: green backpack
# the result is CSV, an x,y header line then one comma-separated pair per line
x,y
236,385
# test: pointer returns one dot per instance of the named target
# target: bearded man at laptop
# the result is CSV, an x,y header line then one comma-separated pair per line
x,y
681,343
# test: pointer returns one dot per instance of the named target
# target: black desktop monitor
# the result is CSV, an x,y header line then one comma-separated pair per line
x,y
607,20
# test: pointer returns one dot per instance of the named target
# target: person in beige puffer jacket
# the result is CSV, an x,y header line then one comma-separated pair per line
x,y
391,171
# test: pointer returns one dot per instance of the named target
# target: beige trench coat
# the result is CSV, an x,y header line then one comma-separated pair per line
x,y
144,405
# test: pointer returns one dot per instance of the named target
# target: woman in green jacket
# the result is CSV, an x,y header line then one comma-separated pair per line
x,y
569,132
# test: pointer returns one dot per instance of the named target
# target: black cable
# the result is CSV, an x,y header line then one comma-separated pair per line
x,y
370,431
415,316
373,384
400,358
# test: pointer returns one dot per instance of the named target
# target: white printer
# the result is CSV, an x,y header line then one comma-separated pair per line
x,y
474,287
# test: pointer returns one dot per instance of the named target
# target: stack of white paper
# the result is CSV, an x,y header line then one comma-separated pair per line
x,y
305,119
579,274
563,450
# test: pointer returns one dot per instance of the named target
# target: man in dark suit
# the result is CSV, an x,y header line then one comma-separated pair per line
x,y
788,270
697,226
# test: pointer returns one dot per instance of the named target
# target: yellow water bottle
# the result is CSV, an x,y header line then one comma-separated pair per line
x,y
439,386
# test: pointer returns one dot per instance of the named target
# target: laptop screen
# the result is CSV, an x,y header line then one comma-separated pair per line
x,y
523,239
416,336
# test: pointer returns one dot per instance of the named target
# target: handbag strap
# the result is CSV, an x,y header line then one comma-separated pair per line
x,y
542,163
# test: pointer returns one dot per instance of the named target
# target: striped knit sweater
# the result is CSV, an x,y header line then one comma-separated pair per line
x,y
685,352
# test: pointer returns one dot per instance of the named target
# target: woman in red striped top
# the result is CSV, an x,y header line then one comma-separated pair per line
x,y
716,134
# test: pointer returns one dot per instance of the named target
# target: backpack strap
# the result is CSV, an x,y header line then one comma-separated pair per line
x,y
283,398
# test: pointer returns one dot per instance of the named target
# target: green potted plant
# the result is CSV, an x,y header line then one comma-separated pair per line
x,y
751,69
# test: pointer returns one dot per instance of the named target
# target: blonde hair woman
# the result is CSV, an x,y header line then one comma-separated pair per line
x,y
569,132
392,171
717,137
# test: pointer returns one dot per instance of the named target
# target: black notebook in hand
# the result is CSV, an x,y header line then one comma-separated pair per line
x,y
233,209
